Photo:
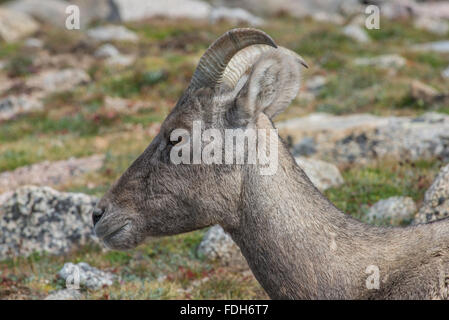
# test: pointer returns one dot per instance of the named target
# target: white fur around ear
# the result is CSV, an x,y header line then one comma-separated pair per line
x,y
273,83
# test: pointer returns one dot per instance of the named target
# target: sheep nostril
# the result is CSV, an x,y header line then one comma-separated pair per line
x,y
97,214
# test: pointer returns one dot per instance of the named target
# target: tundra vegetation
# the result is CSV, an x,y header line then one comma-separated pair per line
x,y
76,123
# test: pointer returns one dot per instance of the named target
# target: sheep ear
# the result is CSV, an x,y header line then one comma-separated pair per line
x,y
270,87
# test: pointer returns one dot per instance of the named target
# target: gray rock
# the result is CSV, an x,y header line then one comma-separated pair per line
x,y
40,219
234,16
34,43
394,210
65,294
45,60
49,173
445,73
398,9
5,196
112,33
306,96
352,8
316,123
295,8
331,6
15,25
437,46
128,106
98,10
89,277
58,80
305,147
359,20
326,17
316,83
363,138
383,62
323,175
264,7
49,11
436,199
424,92
133,10
113,56
437,26
432,9
357,33
217,245
106,51
402,138
121,60
12,106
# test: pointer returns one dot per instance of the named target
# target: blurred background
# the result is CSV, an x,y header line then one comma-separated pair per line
x,y
78,103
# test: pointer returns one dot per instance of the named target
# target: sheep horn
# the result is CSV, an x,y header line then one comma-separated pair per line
x,y
246,58
214,61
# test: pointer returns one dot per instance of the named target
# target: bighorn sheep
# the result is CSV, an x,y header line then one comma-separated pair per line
x,y
297,243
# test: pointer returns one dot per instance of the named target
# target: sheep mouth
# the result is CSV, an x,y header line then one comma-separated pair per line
x,y
110,234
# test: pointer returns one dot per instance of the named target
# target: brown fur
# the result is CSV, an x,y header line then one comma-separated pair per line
x,y
297,243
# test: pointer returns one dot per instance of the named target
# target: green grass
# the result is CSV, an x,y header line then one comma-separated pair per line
x,y
366,185
400,33
41,124
8,50
20,65
139,273
134,84
432,59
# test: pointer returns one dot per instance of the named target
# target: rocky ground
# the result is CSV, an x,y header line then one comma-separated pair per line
x,y
370,127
